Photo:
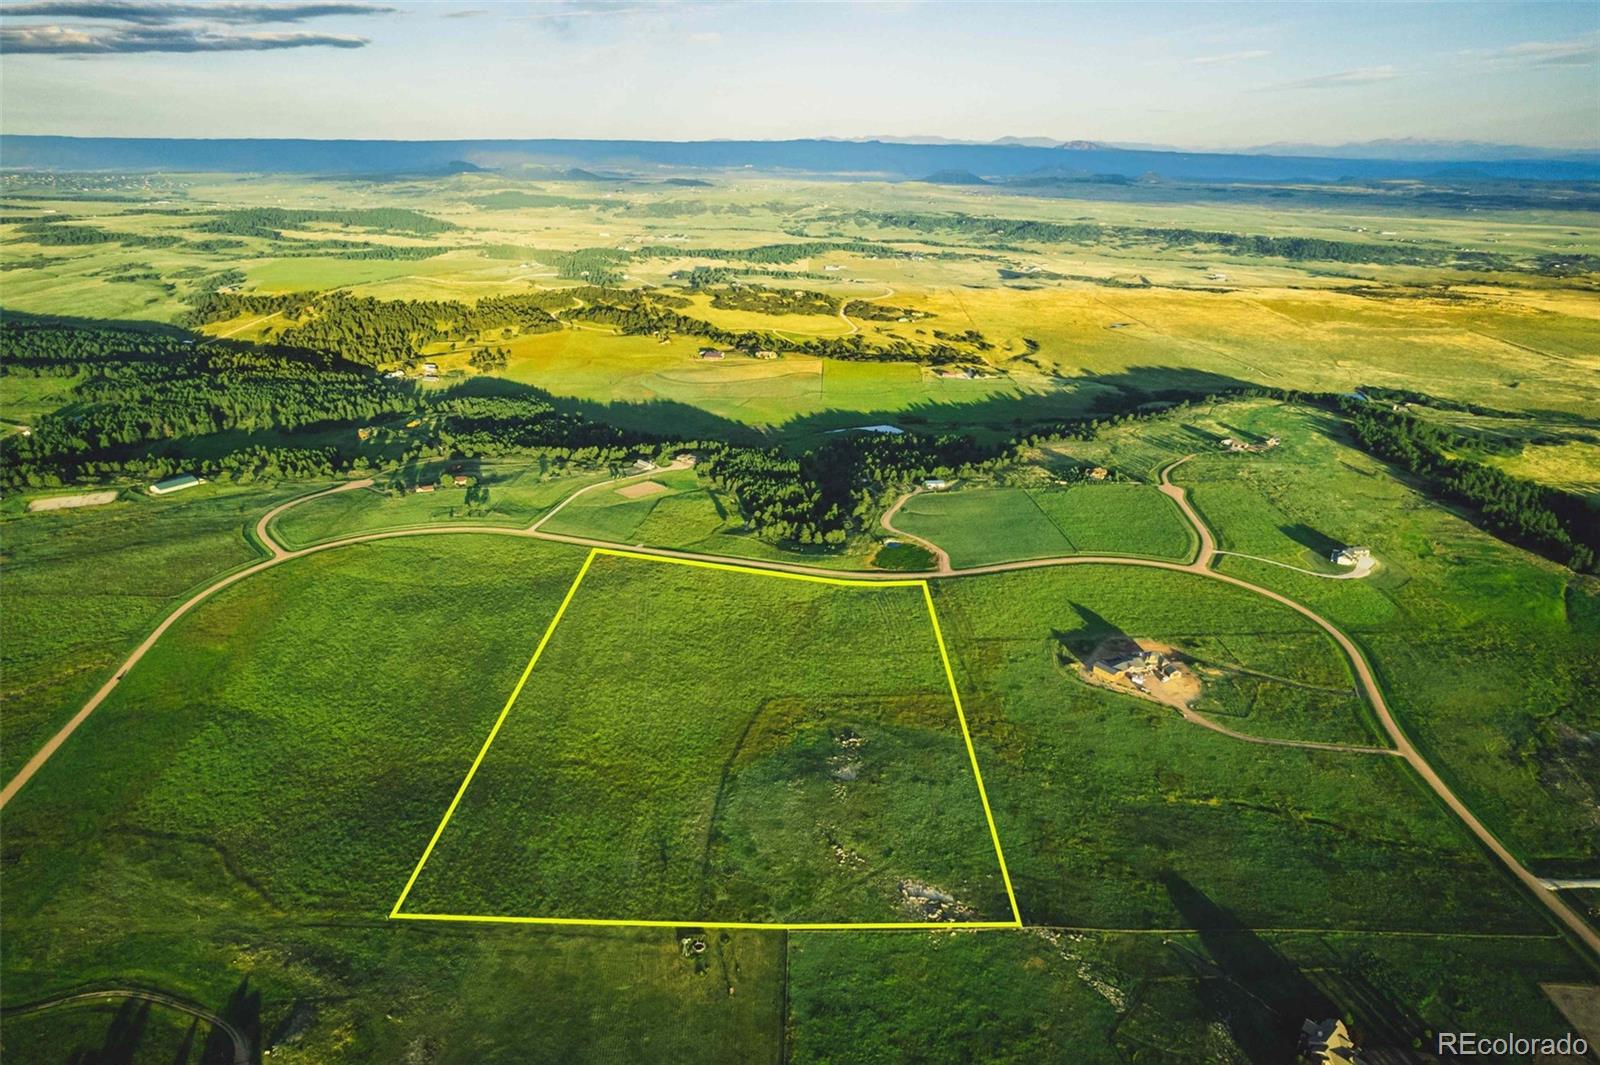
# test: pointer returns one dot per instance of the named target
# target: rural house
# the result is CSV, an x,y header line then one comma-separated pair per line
x,y
1328,1043
1350,556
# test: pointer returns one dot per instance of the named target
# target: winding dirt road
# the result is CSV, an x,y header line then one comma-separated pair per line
x,y
1201,566
941,557
241,1045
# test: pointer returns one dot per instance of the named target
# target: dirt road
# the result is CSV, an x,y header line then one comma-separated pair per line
x,y
941,557
241,1045
1201,566
1361,569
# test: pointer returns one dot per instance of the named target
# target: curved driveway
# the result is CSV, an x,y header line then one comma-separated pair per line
x,y
1201,567
241,1045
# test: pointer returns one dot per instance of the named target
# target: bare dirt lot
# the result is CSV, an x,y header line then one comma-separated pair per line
x,y
642,489
1179,689
87,499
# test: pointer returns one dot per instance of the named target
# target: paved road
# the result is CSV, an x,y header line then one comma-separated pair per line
x,y
241,1045
1201,566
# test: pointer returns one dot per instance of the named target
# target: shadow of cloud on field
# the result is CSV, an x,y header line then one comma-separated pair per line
x,y
660,417
1086,396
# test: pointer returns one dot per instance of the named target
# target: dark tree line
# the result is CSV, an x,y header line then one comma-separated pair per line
x,y
646,318
822,496
67,235
269,222
1554,523
146,389
374,332
1019,229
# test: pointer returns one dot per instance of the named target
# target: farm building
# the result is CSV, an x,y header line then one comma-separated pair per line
x,y
424,489
430,369
887,430
765,353
174,484
461,480
936,484
712,354
643,465
1350,556
1099,473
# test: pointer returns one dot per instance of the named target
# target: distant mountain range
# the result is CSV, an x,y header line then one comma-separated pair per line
x,y
892,160
1411,149
1415,148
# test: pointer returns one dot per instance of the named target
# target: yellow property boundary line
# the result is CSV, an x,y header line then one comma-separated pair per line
x,y
961,717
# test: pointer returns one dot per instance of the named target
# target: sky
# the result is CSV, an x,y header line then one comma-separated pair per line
x,y
1204,76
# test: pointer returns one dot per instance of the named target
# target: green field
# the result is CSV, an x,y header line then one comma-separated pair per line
x,y
978,526
240,821
1484,650
519,493
1095,321
82,587
243,810
1098,796
1096,998
686,515
250,801
735,786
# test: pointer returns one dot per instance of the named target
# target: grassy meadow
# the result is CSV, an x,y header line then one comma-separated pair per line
x,y
682,512
1100,797
84,585
979,525
1070,326
235,822
520,493
738,783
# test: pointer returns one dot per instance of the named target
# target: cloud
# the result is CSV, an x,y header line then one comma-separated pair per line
x,y
1577,52
471,12
565,10
168,12
69,40
1341,80
1231,57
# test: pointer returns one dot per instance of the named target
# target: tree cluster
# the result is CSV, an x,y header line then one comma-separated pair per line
x,y
1554,523
269,222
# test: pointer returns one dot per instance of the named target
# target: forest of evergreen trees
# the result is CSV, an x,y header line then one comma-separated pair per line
x,y
1314,249
150,401
822,496
270,222
1553,523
